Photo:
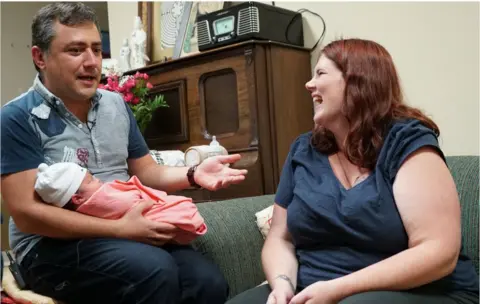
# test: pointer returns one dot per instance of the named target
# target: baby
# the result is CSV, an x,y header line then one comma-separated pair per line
x,y
68,185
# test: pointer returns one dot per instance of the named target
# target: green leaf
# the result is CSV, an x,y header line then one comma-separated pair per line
x,y
143,111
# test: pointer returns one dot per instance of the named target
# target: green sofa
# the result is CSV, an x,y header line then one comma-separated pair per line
x,y
234,241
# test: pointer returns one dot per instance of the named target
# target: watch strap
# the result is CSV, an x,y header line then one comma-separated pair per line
x,y
190,176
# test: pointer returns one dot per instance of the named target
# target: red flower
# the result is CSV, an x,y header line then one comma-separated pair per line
x,y
129,84
128,96
135,100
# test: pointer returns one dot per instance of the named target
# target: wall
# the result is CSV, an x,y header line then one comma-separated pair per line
x,y
435,46
121,16
18,70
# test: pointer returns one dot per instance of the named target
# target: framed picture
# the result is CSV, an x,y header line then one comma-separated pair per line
x,y
174,20
145,11
189,42
171,26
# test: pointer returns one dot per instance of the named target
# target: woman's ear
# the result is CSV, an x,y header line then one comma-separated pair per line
x,y
77,199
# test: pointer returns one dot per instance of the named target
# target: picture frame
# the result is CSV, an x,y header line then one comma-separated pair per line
x,y
150,13
189,40
145,12
182,31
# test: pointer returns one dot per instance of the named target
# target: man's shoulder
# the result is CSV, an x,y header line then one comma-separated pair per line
x,y
21,106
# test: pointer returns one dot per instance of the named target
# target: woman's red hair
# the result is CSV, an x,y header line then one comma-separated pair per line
x,y
373,100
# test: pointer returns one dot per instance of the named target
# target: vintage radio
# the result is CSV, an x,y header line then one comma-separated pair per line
x,y
249,20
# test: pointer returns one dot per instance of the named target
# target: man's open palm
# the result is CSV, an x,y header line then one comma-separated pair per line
x,y
213,173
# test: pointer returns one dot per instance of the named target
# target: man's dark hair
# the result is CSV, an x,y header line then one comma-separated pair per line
x,y
67,13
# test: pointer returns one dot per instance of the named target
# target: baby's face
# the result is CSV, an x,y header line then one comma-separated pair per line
x,y
89,185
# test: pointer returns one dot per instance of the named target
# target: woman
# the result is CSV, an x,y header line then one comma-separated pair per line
x,y
366,210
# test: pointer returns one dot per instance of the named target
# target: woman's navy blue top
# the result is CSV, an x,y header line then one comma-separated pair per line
x,y
338,231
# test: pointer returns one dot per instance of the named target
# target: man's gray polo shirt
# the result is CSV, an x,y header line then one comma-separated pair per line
x,y
36,127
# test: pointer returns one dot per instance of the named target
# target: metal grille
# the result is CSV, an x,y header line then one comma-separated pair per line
x,y
248,21
203,32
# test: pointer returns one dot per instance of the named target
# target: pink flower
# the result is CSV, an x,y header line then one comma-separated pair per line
x,y
149,85
128,97
112,84
135,100
130,83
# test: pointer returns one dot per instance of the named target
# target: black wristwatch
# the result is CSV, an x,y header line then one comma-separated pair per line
x,y
191,179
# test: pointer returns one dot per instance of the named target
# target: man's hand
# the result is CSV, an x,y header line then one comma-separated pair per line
x,y
134,226
213,173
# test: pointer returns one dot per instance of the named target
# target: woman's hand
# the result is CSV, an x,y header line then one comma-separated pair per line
x,y
323,292
213,174
281,294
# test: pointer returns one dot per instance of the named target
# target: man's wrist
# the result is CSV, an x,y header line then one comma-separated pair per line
x,y
191,177
286,279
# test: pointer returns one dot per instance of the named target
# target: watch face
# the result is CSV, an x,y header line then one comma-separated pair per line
x,y
192,158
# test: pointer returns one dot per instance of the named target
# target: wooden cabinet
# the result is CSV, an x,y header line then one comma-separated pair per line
x,y
250,95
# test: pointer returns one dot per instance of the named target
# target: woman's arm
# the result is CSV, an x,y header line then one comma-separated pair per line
x,y
428,204
278,253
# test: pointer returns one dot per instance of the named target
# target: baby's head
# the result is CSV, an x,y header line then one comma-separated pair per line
x,y
61,182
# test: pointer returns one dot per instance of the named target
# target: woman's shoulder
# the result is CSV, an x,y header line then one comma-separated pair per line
x,y
402,139
301,142
304,138
406,127
405,132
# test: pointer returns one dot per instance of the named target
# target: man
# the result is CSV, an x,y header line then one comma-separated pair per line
x,y
63,117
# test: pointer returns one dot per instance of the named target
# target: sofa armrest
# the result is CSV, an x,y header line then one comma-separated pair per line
x,y
233,240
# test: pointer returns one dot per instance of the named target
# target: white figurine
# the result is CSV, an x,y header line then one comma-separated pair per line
x,y
139,43
125,56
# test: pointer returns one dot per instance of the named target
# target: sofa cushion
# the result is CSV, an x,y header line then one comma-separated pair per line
x,y
465,172
233,241
264,220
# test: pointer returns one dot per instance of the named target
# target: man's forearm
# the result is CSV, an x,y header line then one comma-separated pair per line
x,y
168,179
47,220
408,269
